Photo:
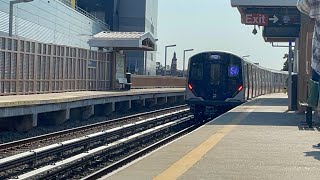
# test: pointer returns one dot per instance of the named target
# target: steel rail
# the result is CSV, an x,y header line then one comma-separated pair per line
x,y
105,171
52,170
32,157
82,128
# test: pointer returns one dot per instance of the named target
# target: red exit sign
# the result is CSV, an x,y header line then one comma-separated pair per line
x,y
256,19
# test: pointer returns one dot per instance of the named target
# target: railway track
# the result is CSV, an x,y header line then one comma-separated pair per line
x,y
90,164
16,147
39,161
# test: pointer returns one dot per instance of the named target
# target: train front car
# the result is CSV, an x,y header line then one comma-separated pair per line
x,y
215,83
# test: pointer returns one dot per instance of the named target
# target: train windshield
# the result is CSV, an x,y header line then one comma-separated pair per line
x,y
196,73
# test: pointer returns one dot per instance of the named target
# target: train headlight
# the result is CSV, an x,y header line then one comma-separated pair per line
x,y
240,88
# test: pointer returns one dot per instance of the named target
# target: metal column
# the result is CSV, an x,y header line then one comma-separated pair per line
x,y
290,63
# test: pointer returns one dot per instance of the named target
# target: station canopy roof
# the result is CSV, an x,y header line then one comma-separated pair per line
x,y
143,41
280,18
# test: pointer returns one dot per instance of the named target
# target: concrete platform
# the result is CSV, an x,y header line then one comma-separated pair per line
x,y
258,140
22,112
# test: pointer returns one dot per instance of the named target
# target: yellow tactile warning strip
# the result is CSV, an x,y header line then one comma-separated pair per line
x,y
185,163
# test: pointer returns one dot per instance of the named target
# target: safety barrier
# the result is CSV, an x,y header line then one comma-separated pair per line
x,y
29,67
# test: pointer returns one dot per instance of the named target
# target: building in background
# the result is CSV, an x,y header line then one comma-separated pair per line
x,y
50,21
129,16
174,63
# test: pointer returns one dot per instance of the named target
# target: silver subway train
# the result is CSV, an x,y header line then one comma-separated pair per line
x,y
218,81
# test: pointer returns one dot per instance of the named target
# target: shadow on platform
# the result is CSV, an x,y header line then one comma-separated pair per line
x,y
266,119
269,102
314,154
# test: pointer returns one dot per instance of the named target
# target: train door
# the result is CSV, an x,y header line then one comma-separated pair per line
x,y
270,86
267,82
279,82
272,83
248,82
252,81
270,77
245,78
255,81
263,82
258,79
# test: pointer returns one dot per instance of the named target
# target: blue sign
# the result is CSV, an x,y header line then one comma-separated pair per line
x,y
233,71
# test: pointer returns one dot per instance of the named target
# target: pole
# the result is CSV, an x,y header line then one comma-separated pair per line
x,y
184,59
290,76
11,18
165,61
145,62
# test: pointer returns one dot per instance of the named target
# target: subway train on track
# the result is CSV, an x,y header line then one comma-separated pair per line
x,y
218,81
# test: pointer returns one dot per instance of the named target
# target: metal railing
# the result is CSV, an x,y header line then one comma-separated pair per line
x,y
87,14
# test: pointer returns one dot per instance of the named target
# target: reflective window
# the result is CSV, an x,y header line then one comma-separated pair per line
x,y
215,74
196,71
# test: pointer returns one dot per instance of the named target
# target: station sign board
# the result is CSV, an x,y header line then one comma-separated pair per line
x,y
285,33
271,19
92,64
256,19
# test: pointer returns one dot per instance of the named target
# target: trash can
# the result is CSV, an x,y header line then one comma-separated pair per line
x,y
128,85
313,93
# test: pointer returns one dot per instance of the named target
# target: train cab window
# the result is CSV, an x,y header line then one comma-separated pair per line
x,y
196,71
215,74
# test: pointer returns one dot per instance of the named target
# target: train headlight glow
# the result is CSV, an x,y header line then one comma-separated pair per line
x,y
240,88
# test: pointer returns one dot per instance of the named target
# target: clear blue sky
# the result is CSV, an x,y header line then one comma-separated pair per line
x,y
211,25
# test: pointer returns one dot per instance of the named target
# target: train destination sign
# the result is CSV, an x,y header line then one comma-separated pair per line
x,y
271,19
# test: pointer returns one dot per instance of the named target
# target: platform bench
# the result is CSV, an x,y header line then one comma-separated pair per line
x,y
123,82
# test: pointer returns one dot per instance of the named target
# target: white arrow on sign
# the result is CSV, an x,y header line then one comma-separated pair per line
x,y
275,19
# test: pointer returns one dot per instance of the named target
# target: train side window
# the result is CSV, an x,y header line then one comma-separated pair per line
x,y
196,71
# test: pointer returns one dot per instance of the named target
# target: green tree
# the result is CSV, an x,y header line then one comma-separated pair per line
x,y
285,64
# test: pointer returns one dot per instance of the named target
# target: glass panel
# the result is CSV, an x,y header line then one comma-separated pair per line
x,y
215,74
196,71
